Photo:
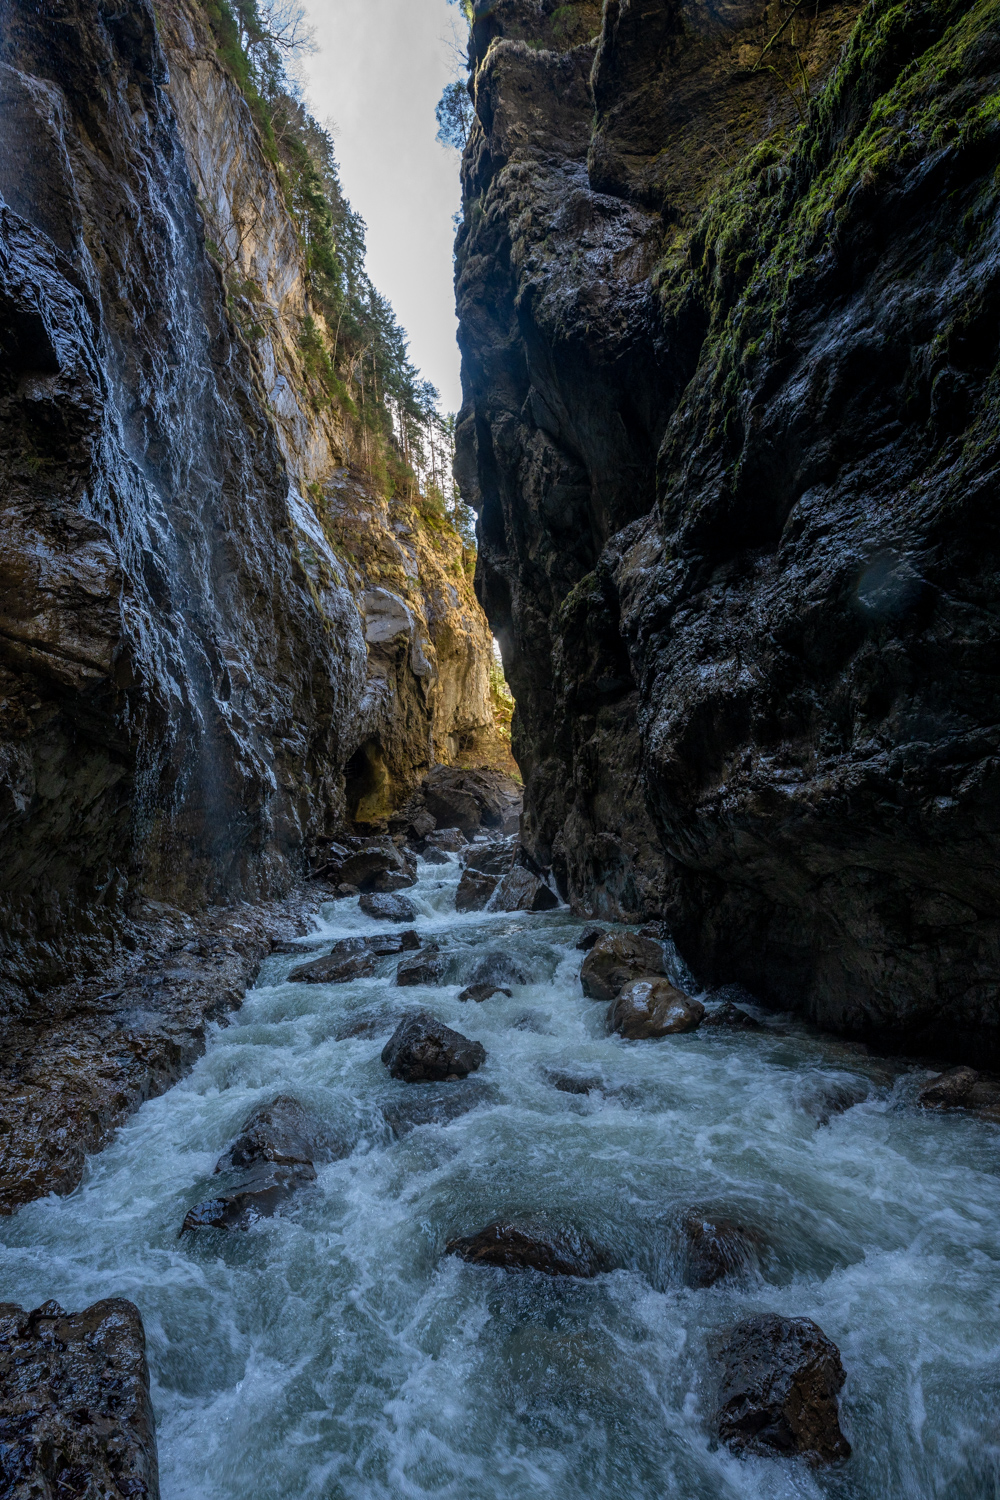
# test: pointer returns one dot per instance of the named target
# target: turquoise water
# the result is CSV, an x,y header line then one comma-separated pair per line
x,y
335,1352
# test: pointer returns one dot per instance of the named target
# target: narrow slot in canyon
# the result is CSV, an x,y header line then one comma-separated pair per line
x,y
498,749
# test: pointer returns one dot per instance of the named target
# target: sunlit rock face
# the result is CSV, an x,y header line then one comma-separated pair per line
x,y
184,670
729,305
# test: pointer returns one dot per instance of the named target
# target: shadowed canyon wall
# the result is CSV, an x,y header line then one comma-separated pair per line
x,y
218,637
729,291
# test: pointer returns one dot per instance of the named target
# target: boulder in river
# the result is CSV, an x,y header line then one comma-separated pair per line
x,y
345,891
388,908
963,1088
615,960
522,890
778,1394
588,937
423,968
353,958
490,856
435,1104
362,867
258,1196
481,992
650,1008
77,1418
392,880
449,840
474,890
422,1049
497,968
435,856
527,1249
471,799
732,1017
716,1248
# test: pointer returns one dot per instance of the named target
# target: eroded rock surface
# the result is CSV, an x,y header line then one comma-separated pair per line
x,y
707,348
423,1049
76,1418
778,1394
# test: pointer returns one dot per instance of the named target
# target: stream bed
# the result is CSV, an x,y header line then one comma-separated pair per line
x,y
336,1351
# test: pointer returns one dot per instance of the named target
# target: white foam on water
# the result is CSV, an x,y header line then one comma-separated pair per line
x,y
336,1352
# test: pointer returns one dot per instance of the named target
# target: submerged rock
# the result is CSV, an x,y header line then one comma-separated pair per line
x,y
714,1249
823,1095
615,960
258,1196
434,1105
497,969
76,1415
650,1008
778,1394
424,968
481,992
475,890
521,890
731,1016
422,1048
527,1249
388,908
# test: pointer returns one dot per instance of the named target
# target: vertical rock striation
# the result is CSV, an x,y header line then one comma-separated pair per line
x,y
729,293
184,668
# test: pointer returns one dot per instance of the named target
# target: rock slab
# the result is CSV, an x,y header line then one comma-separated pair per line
x,y
779,1389
76,1417
423,1049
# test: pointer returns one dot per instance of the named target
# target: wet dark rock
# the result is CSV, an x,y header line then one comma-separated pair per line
x,y
344,891
588,937
714,1249
497,969
490,856
778,1395
522,890
527,1249
366,1023
392,880
435,856
335,969
733,1017
423,1049
571,1083
470,800
615,960
449,840
76,1415
481,992
434,1105
425,968
261,1193
824,1095
963,1088
651,1008
388,908
369,863
474,890
282,1132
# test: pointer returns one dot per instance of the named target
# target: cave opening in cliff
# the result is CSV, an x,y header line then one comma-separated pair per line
x,y
367,790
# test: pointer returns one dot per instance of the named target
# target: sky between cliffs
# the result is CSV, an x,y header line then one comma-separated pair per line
x,y
375,80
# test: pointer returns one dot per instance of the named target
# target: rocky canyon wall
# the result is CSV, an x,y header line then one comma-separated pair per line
x,y
201,667
729,291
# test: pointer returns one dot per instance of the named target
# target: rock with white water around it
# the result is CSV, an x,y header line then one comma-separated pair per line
x,y
779,1389
353,958
258,1196
435,856
516,1248
423,968
615,960
392,880
715,1248
732,1017
449,840
76,1418
388,908
490,856
422,1049
522,890
963,1088
650,1008
345,891
474,890
588,937
481,992
364,866
497,968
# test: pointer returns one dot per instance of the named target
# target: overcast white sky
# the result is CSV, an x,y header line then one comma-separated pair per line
x,y
375,79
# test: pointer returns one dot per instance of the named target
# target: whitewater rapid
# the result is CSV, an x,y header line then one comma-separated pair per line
x,y
334,1351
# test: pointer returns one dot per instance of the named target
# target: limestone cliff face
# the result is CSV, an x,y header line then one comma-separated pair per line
x,y
729,293
184,669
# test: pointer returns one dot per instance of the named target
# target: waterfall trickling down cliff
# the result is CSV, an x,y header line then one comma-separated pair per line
x,y
183,658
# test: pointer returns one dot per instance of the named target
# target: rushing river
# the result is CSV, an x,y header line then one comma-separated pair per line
x,y
335,1352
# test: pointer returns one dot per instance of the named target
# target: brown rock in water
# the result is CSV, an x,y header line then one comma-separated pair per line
x,y
732,1017
778,1394
481,992
334,970
615,960
75,1418
528,1249
424,968
651,1008
952,1089
391,908
521,890
715,1248
497,968
474,890
422,1049
281,1132
259,1196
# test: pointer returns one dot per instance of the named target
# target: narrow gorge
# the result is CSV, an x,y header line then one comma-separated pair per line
x,y
417,1086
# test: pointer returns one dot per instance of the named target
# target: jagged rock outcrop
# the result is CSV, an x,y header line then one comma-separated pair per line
x,y
729,289
200,673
